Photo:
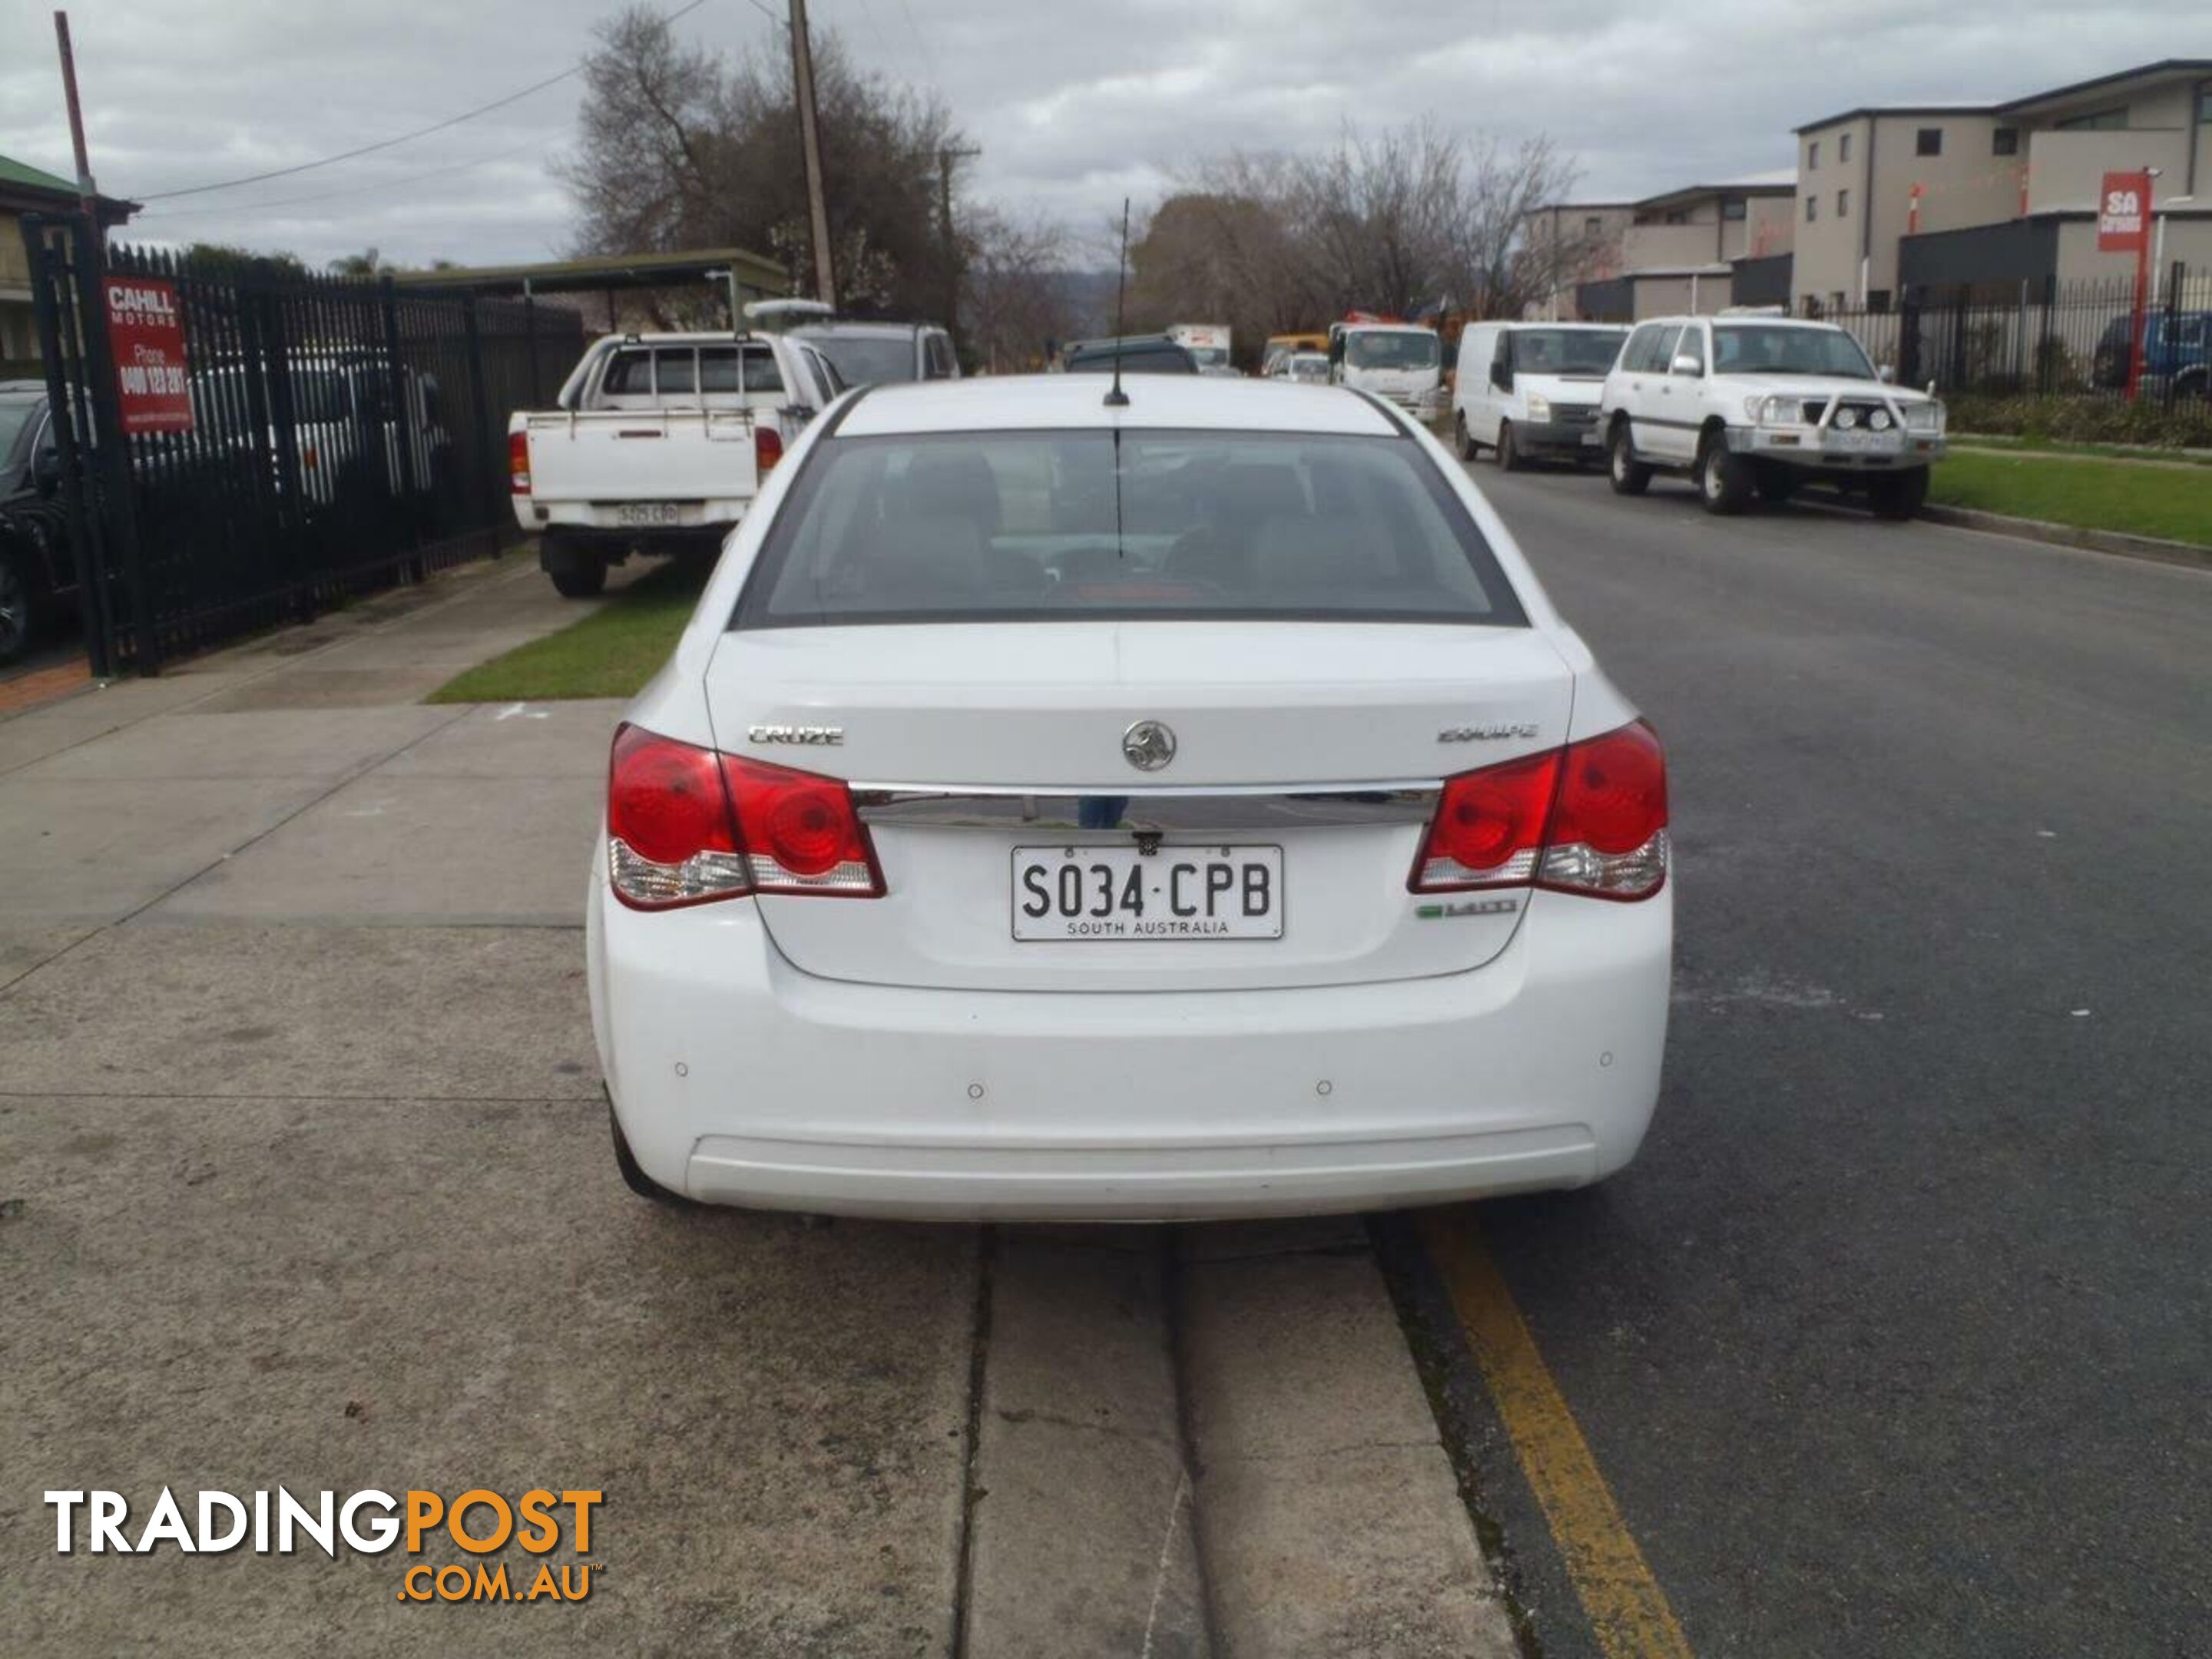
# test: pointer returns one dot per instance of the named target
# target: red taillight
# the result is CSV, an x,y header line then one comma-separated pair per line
x,y
517,463
1489,827
1590,818
686,825
768,447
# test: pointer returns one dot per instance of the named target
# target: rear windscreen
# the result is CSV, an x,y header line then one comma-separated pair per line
x,y
1087,526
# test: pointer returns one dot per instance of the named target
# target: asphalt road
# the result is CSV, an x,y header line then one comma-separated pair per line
x,y
1897,1339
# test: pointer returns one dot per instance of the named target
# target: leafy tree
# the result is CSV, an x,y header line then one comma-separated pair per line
x,y
224,260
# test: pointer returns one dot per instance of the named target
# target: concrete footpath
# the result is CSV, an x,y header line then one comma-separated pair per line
x,y
304,1180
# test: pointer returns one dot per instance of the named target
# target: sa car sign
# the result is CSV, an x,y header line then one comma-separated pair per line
x,y
2122,213
146,332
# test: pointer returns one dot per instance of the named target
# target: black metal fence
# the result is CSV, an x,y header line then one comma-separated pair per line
x,y
2046,338
346,434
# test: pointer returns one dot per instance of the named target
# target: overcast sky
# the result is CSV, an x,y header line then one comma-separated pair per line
x,y
1074,104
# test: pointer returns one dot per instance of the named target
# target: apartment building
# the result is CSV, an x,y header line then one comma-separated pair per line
x,y
1896,197
1671,253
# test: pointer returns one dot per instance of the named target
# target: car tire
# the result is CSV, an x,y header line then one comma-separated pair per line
x,y
1509,458
578,573
1898,494
1722,477
1462,440
19,605
634,1176
1627,474
1776,483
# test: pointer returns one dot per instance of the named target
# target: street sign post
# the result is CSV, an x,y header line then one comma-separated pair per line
x,y
146,337
2124,227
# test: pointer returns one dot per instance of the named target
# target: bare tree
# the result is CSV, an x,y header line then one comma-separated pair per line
x,y
1016,305
1492,264
679,146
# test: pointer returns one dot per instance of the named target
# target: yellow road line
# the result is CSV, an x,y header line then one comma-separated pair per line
x,y
1627,1607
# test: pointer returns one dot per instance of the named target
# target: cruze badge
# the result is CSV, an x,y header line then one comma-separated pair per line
x,y
830,735
1148,746
1490,733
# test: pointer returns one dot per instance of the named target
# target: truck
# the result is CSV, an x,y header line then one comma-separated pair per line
x,y
1209,343
1401,361
657,444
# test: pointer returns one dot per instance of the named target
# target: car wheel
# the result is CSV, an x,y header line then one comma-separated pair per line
x,y
578,573
1628,476
18,606
1463,440
1509,452
1723,476
633,1177
1898,495
1776,483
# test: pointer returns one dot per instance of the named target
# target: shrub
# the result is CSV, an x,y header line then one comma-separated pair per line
x,y
2183,424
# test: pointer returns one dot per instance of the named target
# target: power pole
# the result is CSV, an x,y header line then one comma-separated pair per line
x,y
86,195
810,143
947,159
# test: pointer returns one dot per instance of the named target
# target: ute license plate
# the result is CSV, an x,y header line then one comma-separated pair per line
x,y
647,512
1119,892
1860,443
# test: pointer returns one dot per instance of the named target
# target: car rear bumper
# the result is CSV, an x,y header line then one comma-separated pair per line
x,y
739,1079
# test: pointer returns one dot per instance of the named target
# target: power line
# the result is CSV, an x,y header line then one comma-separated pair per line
x,y
928,56
404,137
353,190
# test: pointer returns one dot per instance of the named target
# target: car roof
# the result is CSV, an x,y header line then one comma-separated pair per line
x,y
1572,328
1064,401
1751,317
900,330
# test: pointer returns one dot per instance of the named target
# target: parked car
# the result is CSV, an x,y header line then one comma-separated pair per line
x,y
36,572
1530,390
1310,368
1401,361
883,353
347,431
1761,404
1135,354
1281,346
1191,808
2177,352
657,443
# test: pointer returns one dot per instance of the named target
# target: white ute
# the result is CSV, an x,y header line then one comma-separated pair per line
x,y
658,442
1763,403
1193,807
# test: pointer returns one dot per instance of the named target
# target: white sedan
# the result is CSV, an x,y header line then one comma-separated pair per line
x,y
1187,808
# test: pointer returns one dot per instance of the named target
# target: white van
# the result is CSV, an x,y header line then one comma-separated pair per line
x,y
1530,390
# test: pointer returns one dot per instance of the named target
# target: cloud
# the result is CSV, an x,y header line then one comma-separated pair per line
x,y
1074,104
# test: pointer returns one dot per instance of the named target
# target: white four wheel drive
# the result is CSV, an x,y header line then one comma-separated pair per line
x,y
657,443
1760,404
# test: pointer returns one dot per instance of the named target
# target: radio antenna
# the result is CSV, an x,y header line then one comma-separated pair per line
x,y
1115,397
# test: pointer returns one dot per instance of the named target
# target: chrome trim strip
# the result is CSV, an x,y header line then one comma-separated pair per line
x,y
1234,807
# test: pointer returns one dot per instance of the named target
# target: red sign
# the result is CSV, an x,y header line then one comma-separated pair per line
x,y
2123,213
146,332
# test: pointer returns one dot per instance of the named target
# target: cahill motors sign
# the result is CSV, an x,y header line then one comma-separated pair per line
x,y
473,1523
146,333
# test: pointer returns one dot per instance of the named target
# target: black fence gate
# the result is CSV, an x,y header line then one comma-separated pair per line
x,y
346,434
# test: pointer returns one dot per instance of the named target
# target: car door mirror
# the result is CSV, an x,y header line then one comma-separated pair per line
x,y
1686,364
46,469
1886,374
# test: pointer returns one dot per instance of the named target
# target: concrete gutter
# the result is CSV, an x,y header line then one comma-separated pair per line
x,y
2067,535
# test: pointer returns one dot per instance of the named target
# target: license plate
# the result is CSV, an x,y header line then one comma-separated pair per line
x,y
1120,892
1858,443
647,512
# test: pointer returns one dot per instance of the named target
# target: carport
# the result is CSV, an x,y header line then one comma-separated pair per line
x,y
742,275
